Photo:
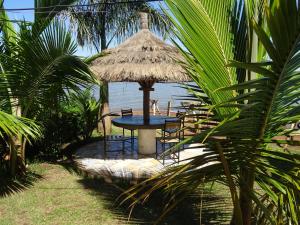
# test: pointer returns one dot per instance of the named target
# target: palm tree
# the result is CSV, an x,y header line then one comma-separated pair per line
x,y
38,68
12,126
100,22
264,182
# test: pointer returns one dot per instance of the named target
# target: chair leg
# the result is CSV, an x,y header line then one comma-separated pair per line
x,y
179,154
164,149
105,149
123,147
156,150
132,140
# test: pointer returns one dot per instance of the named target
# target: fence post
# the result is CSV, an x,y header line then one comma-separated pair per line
x,y
169,108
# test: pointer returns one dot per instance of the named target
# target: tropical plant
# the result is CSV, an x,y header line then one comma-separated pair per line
x,y
13,127
38,68
84,106
73,122
100,22
253,104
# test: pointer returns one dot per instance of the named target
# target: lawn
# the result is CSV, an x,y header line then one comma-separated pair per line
x,y
59,196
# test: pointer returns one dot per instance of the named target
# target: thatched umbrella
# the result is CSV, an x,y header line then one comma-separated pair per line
x,y
142,58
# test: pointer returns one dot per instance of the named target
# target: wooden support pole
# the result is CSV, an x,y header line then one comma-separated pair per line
x,y
169,108
146,103
146,88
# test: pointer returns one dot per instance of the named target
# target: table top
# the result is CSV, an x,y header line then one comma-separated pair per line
x,y
137,122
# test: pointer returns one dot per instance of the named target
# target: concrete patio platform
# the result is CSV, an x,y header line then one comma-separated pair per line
x,y
129,166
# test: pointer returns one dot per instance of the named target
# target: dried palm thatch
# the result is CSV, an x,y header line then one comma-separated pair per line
x,y
143,57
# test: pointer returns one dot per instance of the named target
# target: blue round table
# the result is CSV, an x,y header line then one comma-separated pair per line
x,y
146,130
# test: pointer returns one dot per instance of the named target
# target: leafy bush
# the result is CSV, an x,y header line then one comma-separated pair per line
x,y
85,108
73,121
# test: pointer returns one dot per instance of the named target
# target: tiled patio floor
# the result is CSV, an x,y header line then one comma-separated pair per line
x,y
128,166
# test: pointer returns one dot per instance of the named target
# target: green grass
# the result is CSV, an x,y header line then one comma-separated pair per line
x,y
293,149
59,196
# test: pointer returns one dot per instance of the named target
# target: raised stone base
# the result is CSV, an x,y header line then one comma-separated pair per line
x,y
146,141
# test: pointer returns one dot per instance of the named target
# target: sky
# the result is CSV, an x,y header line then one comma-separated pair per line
x,y
29,15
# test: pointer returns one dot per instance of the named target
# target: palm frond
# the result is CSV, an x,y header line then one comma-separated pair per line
x,y
43,67
209,23
17,126
259,112
112,21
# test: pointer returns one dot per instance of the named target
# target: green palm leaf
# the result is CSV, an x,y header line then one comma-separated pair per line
x,y
255,110
44,66
16,126
209,24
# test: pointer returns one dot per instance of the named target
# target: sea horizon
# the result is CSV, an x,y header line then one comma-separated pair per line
x,y
128,95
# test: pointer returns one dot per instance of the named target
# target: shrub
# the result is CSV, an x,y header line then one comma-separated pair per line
x,y
73,121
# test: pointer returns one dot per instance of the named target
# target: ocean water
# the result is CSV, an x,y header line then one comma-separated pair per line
x,y
128,95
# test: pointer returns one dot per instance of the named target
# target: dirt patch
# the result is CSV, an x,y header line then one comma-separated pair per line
x,y
54,172
22,219
45,165
1,212
48,210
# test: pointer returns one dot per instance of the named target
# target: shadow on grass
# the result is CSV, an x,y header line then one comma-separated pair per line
x,y
214,210
142,214
9,186
69,149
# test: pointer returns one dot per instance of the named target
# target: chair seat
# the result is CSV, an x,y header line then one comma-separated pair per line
x,y
170,140
171,130
116,138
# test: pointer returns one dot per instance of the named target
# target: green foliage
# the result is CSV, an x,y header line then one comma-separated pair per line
x,y
252,111
13,126
45,67
74,121
86,108
38,69
214,46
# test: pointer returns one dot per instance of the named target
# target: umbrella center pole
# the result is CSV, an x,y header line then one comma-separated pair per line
x,y
146,102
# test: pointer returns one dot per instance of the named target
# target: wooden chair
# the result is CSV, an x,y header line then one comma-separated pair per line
x,y
124,113
181,117
193,116
171,135
112,138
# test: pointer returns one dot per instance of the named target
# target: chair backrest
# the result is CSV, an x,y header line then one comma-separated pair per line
x,y
172,126
102,118
180,115
126,112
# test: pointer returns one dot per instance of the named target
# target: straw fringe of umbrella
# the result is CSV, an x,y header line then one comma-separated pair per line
x,y
141,57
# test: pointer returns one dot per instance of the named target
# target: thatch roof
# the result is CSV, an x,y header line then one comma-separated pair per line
x,y
141,57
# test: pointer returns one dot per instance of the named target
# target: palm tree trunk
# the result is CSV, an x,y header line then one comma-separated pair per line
x,y
104,109
17,152
13,156
104,94
245,199
246,174
17,156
